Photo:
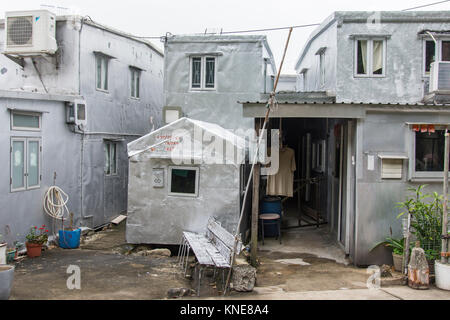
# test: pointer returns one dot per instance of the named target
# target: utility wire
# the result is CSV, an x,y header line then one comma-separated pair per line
x,y
294,27
426,5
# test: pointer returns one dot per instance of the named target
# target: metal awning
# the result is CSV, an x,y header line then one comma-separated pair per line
x,y
305,110
393,156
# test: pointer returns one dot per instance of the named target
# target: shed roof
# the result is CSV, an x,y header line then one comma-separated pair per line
x,y
179,137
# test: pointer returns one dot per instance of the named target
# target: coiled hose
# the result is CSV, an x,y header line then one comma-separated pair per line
x,y
55,203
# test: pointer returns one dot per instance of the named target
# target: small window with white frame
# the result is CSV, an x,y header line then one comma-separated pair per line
x,y
183,181
110,158
135,82
370,57
25,163
203,72
101,72
25,121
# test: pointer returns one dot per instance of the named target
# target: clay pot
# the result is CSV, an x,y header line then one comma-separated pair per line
x,y
33,249
398,262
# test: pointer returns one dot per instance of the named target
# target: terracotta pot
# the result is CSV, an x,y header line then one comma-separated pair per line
x,y
33,249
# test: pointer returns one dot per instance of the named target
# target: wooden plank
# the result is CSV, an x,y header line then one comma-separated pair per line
x,y
255,212
119,219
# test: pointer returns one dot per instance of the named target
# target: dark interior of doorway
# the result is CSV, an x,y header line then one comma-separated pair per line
x,y
317,148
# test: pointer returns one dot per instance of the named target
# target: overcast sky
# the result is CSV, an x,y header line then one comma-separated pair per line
x,y
156,17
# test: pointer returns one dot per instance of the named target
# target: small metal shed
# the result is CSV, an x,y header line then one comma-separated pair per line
x,y
179,176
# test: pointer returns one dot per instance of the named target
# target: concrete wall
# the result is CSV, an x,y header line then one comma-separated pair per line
x,y
110,115
240,77
404,81
60,154
376,198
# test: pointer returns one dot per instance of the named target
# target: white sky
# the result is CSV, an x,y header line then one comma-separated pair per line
x,y
156,17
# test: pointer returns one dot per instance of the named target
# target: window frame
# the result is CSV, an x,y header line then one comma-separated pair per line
x,y
26,169
111,173
197,181
135,93
437,52
202,73
369,57
105,58
421,175
26,113
322,69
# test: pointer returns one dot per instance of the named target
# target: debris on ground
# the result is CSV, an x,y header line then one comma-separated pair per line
x,y
180,292
386,271
153,252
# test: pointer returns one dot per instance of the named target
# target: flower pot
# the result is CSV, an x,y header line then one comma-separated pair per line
x,y
442,275
69,239
33,249
398,262
6,281
2,253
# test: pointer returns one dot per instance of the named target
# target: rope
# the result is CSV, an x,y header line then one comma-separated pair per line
x,y
55,203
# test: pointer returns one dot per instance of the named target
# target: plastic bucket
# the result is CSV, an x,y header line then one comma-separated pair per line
x,y
6,281
442,275
69,239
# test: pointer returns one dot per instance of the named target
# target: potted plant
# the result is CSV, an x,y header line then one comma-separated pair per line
x,y
35,240
10,254
397,246
426,221
19,246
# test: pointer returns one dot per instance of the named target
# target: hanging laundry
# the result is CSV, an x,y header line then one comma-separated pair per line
x,y
282,183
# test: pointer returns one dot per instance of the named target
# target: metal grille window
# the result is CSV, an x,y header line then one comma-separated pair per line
x,y
101,64
203,73
110,158
25,163
135,82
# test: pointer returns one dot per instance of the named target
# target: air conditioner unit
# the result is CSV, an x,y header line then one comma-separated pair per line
x,y
30,32
440,76
77,113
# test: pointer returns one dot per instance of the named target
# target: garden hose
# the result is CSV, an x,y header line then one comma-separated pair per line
x,y
55,203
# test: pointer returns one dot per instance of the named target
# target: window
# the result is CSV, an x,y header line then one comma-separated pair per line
x,y
183,181
322,68
135,82
101,64
432,54
370,57
25,163
429,151
203,73
28,121
110,158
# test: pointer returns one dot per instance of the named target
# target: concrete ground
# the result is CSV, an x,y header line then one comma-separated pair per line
x,y
307,265
106,273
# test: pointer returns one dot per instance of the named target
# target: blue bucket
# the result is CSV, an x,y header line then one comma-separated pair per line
x,y
69,239
271,205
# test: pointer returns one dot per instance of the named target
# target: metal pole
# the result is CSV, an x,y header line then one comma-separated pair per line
x,y
444,209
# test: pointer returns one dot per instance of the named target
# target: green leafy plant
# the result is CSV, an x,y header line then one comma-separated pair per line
x,y
397,245
426,219
37,237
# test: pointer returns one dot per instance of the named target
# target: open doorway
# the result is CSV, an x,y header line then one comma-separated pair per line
x,y
323,188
